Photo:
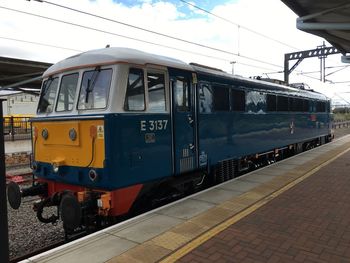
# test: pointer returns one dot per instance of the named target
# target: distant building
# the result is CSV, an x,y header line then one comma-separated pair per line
x,y
16,75
19,103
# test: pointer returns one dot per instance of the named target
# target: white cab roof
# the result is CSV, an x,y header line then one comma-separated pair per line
x,y
114,55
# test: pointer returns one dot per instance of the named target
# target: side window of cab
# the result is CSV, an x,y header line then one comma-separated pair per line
x,y
156,92
48,95
135,91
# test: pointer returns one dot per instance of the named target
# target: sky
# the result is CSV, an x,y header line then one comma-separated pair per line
x,y
254,34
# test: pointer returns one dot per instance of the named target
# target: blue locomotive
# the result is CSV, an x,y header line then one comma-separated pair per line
x,y
117,127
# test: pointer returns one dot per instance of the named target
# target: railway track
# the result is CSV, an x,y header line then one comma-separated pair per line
x,y
37,252
24,178
19,173
27,235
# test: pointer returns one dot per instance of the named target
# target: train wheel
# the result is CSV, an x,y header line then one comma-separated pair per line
x,y
70,210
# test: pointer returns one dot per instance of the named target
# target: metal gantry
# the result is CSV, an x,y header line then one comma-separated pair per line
x,y
321,52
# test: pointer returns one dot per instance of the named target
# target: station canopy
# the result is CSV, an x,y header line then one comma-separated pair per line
x,y
19,74
329,19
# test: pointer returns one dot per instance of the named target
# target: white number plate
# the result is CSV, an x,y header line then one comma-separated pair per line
x,y
153,125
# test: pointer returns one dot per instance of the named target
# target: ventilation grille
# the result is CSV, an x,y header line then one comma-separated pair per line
x,y
186,164
226,170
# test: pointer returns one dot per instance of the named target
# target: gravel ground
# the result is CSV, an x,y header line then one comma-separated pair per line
x,y
27,234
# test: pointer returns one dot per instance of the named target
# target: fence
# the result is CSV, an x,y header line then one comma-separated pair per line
x,y
17,128
341,124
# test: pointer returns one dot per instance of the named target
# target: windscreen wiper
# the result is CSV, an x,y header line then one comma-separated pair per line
x,y
91,83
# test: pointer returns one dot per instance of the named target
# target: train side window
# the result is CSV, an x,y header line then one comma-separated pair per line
x,y
282,103
48,95
296,105
271,102
182,94
306,106
156,92
238,100
312,107
221,98
256,102
66,95
205,98
291,104
135,92
95,89
320,106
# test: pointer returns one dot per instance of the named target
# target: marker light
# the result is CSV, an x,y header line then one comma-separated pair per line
x,y
72,134
93,175
55,167
45,134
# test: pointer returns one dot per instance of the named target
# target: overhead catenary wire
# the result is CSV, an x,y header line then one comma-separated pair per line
x,y
38,43
335,71
136,27
238,25
140,40
181,50
157,33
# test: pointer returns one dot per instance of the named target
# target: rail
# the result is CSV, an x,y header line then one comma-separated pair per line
x,y
17,128
24,178
36,252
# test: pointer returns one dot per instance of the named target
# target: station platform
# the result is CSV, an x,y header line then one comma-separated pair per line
x,y
296,210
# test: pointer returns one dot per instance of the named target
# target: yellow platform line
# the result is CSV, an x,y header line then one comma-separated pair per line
x,y
217,229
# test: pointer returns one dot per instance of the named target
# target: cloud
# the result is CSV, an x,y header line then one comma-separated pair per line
x,y
269,17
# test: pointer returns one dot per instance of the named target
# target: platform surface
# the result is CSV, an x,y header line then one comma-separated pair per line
x,y
295,210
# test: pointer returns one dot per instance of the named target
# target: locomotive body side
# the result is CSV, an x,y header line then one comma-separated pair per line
x,y
233,132
116,127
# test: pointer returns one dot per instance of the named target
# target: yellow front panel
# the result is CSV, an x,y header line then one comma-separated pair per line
x,y
61,149
59,133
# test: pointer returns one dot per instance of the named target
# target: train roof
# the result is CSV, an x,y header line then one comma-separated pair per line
x,y
261,84
113,55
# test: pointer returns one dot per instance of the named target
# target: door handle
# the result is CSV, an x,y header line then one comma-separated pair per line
x,y
190,119
191,146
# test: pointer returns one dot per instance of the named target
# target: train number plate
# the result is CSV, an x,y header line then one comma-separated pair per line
x,y
153,125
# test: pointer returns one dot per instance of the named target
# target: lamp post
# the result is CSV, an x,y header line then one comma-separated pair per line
x,y
4,237
233,66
